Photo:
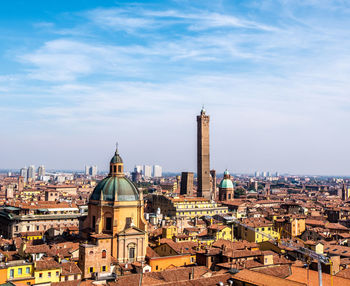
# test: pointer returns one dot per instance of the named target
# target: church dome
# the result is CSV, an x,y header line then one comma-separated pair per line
x,y
226,182
114,188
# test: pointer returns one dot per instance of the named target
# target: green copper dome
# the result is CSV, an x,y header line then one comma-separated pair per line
x,y
226,184
114,188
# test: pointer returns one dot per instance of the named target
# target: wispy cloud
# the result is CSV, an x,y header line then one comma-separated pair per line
x,y
276,77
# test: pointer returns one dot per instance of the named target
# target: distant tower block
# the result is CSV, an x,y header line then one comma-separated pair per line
x,y
187,183
203,156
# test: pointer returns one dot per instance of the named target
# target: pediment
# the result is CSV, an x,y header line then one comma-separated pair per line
x,y
133,230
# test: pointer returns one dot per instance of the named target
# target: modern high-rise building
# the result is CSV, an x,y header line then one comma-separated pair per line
x,y
24,173
41,171
147,171
186,183
257,174
93,171
138,169
87,168
203,156
31,172
157,171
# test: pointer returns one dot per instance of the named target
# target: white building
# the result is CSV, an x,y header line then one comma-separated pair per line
x,y
138,168
24,173
87,168
31,172
157,171
147,171
41,171
93,171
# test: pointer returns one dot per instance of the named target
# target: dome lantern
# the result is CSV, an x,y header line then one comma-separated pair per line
x,y
116,166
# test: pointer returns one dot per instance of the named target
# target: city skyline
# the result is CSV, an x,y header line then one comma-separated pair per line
x,y
272,76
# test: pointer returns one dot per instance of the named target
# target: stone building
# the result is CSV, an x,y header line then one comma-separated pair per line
x,y
20,217
94,257
203,156
187,183
116,208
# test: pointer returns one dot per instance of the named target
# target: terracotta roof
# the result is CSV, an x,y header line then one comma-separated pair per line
x,y
33,249
70,268
281,271
151,253
345,273
46,265
243,244
177,276
69,283
261,279
300,275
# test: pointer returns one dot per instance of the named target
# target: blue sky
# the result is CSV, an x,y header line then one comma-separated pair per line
x,y
77,76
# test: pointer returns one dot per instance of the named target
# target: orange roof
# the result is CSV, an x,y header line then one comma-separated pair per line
x,y
300,275
260,279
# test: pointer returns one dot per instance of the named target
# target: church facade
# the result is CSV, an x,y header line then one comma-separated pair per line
x,y
116,208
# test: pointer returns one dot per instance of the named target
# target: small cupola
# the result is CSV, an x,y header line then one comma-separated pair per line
x,y
116,166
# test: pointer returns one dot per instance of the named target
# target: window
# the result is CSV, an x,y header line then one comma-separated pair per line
x,y
108,223
119,168
157,267
57,273
27,270
103,268
19,271
12,273
132,253
40,275
91,269
49,274
104,253
93,222
263,229
28,228
37,227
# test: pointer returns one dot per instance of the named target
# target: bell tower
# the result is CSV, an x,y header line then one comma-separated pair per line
x,y
203,155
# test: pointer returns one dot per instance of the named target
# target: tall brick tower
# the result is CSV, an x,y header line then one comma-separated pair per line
x,y
203,156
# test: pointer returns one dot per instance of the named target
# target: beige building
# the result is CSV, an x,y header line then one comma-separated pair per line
x,y
186,206
116,208
18,218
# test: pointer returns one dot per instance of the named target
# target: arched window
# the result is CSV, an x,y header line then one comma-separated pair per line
x,y
119,169
131,251
104,253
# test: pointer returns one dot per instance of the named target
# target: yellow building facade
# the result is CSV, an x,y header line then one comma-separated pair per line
x,y
20,272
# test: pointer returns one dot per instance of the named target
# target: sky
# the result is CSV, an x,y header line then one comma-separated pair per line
x,y
78,76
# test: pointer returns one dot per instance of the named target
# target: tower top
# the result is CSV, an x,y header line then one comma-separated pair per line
x,y
202,110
